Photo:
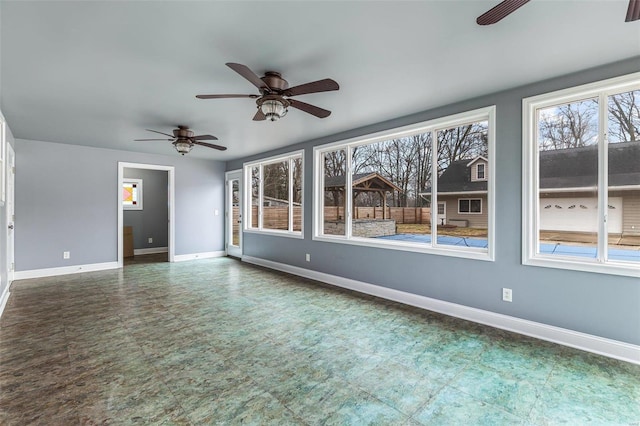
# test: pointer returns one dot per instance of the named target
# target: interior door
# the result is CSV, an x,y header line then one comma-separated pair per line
x,y
10,209
233,213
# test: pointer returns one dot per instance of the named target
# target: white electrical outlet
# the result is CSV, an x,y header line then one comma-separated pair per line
x,y
308,257
507,295
66,254
150,240
216,212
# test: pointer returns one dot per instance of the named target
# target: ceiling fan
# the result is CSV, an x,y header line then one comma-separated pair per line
x,y
507,7
184,140
274,98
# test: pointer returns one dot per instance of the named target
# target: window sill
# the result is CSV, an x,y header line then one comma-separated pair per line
x,y
469,253
275,232
584,265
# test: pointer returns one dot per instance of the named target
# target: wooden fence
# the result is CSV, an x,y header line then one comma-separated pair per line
x,y
278,217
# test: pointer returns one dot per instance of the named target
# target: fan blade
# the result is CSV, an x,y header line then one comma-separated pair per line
x,y
153,139
259,116
498,12
155,131
311,109
244,71
210,145
633,12
226,96
325,85
204,138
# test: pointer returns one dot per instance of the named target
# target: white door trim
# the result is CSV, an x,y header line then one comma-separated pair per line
x,y
171,201
228,208
10,212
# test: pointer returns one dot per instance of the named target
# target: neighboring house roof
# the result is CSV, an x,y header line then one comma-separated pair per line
x,y
578,167
562,168
457,178
362,182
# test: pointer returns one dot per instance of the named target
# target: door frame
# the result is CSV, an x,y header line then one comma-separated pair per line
x,y
10,211
228,209
170,201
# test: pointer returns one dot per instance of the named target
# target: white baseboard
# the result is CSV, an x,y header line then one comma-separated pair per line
x,y
194,256
587,342
4,299
64,270
150,250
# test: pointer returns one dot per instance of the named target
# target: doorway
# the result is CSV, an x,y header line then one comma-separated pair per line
x,y
152,253
10,212
233,213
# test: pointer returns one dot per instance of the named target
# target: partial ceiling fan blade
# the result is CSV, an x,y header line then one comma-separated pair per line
x,y
633,12
259,116
311,109
155,131
204,138
498,12
244,71
325,85
153,139
210,145
226,96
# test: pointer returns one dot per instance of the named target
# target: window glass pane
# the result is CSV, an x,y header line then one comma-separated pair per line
x,y
335,171
461,150
297,194
275,198
389,182
235,212
568,177
255,196
623,215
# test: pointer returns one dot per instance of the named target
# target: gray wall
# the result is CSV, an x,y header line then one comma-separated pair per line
x,y
597,304
153,220
66,200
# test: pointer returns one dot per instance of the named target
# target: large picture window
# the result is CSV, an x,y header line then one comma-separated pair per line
x,y
274,195
378,190
582,177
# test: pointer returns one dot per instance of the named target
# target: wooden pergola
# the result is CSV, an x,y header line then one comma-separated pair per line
x,y
363,182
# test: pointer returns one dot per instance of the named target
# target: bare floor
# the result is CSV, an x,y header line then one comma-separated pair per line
x,y
217,341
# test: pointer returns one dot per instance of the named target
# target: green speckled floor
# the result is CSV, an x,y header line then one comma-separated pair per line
x,y
221,342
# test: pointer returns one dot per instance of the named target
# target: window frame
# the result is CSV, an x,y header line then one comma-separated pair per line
x,y
530,177
469,199
247,182
139,202
484,171
434,125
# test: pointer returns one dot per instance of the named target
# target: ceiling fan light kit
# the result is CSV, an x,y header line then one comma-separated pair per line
x,y
274,99
183,140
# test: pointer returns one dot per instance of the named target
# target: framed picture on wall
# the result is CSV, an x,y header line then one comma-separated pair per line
x,y
132,194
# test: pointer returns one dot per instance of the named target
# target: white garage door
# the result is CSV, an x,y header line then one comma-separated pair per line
x,y
578,214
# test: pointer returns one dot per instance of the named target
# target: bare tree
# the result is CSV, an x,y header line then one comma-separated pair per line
x,y
570,125
624,117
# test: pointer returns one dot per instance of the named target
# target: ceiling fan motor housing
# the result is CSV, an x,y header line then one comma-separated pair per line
x,y
275,81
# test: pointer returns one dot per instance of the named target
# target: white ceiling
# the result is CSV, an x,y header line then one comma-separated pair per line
x,y
98,73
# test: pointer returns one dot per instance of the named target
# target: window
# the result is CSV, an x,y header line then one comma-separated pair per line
x,y
274,195
378,190
470,205
581,201
480,171
132,194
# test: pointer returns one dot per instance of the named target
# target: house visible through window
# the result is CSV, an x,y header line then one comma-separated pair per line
x,y
132,194
582,157
274,195
390,189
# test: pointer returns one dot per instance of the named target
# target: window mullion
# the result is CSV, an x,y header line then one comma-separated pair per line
x,y
290,194
434,188
603,178
348,194
260,195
